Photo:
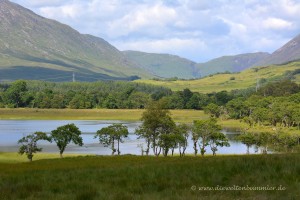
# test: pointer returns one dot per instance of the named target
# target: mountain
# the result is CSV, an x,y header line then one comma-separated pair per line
x,y
234,63
287,53
33,47
164,65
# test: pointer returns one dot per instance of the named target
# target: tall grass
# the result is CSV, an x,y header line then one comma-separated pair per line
x,y
134,177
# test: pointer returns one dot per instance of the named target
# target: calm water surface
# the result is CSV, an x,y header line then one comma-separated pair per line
x,y
12,130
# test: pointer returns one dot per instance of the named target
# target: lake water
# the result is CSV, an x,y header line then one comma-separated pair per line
x,y
13,130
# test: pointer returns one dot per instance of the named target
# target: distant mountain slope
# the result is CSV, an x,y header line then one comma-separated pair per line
x,y
235,63
288,52
31,41
241,80
164,65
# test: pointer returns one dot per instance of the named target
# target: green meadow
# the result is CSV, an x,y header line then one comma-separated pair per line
x,y
137,177
228,82
187,116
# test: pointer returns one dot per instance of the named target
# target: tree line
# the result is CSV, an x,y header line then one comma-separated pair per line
x,y
161,134
109,94
274,104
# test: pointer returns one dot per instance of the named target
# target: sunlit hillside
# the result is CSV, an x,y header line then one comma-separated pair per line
x,y
245,79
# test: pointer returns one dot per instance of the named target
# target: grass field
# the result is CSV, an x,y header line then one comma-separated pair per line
x,y
13,157
219,82
187,116
136,177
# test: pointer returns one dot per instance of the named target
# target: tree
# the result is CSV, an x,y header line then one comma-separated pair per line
x,y
156,121
144,133
63,135
218,139
167,142
183,131
204,130
213,109
15,94
111,134
247,139
29,144
193,102
237,108
186,95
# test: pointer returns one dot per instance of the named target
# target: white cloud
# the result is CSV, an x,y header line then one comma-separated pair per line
x,y
145,18
66,11
276,23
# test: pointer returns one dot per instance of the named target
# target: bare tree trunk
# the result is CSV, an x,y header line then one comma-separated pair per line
x,y
148,147
113,147
119,147
195,149
248,150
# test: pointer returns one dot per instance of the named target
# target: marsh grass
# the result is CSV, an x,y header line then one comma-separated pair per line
x,y
136,177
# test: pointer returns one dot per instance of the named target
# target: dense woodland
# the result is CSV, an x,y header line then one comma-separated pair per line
x,y
121,94
110,94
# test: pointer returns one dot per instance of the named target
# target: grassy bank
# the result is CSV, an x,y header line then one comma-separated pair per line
x,y
133,177
187,116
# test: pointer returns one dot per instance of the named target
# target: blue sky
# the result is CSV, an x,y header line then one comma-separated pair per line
x,y
199,30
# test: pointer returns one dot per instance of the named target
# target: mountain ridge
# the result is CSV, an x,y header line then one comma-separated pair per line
x,y
34,46
27,39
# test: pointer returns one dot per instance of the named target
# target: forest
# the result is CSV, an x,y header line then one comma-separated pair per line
x,y
130,95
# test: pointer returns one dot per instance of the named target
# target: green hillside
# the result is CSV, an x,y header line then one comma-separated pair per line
x,y
164,65
235,63
49,48
242,80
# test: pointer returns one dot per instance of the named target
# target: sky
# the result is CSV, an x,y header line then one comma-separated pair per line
x,y
199,30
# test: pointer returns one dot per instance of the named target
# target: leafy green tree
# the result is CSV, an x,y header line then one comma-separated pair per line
x,y
249,120
167,142
204,130
111,134
186,95
157,121
259,115
14,95
247,139
111,102
237,108
63,135
218,139
175,101
285,142
221,98
213,109
193,102
146,134
58,101
182,130
264,140
138,100
29,144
